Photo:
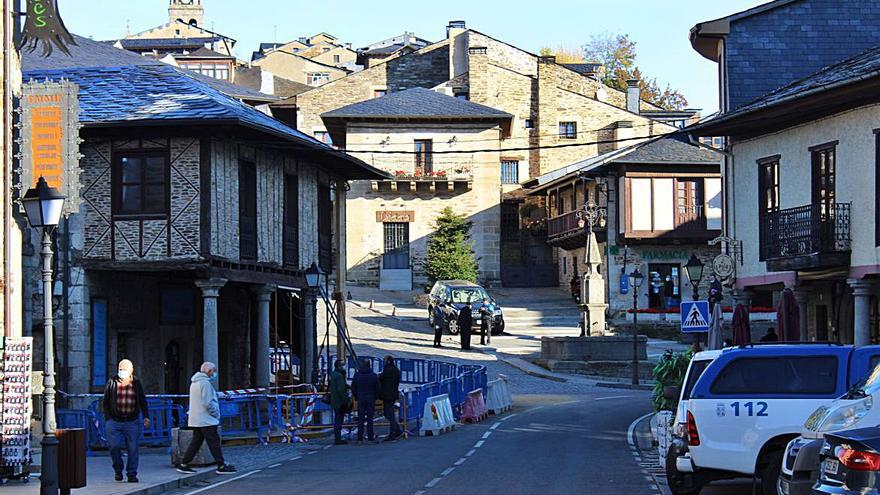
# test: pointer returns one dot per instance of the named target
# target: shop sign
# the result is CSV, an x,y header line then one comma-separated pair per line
x,y
43,27
387,216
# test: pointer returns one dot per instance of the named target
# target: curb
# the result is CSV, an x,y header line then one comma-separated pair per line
x,y
527,369
625,386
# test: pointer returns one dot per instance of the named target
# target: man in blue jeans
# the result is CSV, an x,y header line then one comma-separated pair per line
x,y
365,389
123,404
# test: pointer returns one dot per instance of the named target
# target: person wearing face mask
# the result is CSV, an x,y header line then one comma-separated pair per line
x,y
204,418
123,404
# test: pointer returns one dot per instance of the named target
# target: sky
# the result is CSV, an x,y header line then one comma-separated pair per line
x,y
659,28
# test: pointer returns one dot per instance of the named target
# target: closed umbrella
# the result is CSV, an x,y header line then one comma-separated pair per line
x,y
742,331
788,317
716,334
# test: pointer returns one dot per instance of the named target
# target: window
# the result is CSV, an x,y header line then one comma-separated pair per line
x,y
325,228
824,170
463,95
396,255
529,124
424,159
784,375
768,198
509,222
378,93
317,78
141,184
217,71
568,130
177,305
510,172
247,211
689,203
565,266
291,221
335,59
324,137
664,290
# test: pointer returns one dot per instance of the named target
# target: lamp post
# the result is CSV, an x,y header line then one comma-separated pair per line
x,y
636,278
314,280
43,205
694,269
589,216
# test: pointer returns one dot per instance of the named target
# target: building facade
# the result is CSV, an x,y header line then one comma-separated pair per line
x,y
312,60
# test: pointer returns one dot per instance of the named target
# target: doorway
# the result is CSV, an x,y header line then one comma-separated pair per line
x,y
667,294
821,322
173,368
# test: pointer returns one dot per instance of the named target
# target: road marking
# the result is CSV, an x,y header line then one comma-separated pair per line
x,y
460,461
296,458
508,417
478,444
470,452
230,480
486,435
614,397
420,492
496,425
327,447
570,402
312,452
447,471
273,466
431,483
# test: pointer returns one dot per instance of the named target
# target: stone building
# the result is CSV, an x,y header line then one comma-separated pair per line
x,y
559,115
186,20
312,60
11,280
199,214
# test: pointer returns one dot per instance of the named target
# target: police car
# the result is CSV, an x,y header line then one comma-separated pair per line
x,y
751,401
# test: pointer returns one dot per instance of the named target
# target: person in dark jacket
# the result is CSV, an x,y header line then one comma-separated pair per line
x,y
389,382
339,400
365,389
439,322
124,402
770,336
487,313
465,322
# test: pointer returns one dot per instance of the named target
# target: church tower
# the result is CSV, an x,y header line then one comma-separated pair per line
x,y
189,11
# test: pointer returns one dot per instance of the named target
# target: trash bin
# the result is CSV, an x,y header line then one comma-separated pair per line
x,y
71,459
180,440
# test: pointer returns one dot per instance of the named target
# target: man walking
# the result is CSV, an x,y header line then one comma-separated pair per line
x,y
204,417
365,389
124,401
339,400
465,323
487,312
439,321
389,381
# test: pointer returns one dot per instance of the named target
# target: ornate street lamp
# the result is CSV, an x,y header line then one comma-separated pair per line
x,y
314,276
314,281
589,216
43,205
694,269
635,281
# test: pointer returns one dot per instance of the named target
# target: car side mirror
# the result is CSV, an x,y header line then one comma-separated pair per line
x,y
671,392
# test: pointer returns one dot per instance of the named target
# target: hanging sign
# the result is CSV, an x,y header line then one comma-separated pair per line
x,y
43,27
49,138
15,415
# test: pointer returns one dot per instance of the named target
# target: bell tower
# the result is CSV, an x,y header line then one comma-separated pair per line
x,y
189,11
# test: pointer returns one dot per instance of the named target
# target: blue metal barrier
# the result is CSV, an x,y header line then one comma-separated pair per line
x,y
84,419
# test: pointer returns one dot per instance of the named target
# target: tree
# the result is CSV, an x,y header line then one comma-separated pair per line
x,y
450,249
564,54
617,53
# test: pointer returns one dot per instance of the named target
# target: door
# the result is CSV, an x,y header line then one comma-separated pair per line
x,y
664,290
173,367
247,211
823,197
821,322
689,204
424,159
291,221
396,273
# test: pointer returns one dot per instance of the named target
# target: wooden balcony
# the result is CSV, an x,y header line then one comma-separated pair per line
x,y
809,237
565,232
690,225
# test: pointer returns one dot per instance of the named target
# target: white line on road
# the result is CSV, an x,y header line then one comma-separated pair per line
x,y
470,452
460,461
420,492
486,435
327,447
614,397
479,444
312,452
230,480
296,458
496,425
632,428
508,417
273,466
447,471
431,483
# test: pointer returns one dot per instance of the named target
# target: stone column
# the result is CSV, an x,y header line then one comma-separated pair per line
x,y
341,266
802,296
310,336
210,292
862,290
264,297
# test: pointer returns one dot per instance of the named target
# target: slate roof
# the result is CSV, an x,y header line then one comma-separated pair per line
x,y
417,103
584,68
160,43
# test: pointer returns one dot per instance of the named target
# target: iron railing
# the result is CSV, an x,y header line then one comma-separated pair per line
x,y
806,230
567,223
430,167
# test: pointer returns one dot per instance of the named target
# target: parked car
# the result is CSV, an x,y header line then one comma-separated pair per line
x,y
751,401
454,294
800,464
850,463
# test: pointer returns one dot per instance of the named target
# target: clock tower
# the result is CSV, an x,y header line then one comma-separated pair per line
x,y
189,11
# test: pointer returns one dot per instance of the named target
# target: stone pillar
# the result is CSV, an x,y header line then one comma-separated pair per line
x,y
264,297
862,290
310,336
210,292
593,298
802,296
341,266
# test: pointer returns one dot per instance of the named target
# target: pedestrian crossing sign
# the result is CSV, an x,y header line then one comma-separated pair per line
x,y
694,316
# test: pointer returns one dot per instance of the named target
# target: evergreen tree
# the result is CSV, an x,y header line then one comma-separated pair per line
x,y
450,249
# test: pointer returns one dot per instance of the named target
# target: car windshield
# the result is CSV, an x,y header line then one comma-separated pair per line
x,y
469,294
872,385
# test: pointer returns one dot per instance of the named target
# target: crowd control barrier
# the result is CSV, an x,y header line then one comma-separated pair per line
x,y
498,398
474,408
437,416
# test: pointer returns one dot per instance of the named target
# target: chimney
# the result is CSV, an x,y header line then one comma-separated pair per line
x,y
454,28
623,129
456,33
267,82
405,37
348,46
632,96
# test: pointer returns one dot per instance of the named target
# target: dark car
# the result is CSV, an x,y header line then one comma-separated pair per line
x,y
850,463
453,294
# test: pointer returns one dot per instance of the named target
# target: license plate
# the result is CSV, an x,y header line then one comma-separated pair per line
x,y
783,487
830,466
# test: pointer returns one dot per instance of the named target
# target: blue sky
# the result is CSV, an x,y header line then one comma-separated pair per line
x,y
660,28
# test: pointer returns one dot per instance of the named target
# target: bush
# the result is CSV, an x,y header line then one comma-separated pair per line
x,y
450,254
669,371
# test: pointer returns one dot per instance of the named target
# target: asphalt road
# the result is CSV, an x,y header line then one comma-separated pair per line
x,y
569,443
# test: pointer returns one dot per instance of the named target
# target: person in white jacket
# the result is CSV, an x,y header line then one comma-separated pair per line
x,y
204,418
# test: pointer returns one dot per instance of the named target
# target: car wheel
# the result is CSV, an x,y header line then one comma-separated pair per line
x,y
430,317
452,326
679,484
770,475
498,330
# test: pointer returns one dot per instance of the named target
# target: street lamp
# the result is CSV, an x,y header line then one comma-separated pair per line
x,y
589,216
694,269
635,280
43,205
314,276
314,281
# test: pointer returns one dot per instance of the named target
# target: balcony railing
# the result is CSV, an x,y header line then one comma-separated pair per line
x,y
451,167
690,218
563,224
806,231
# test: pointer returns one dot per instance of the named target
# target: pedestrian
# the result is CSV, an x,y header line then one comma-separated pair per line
x,y
204,417
124,402
389,380
669,292
439,321
770,336
487,312
465,322
365,389
339,400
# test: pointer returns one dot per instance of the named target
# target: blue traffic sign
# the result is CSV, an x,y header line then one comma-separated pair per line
x,y
694,316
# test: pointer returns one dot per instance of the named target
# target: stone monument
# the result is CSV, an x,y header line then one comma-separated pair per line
x,y
593,302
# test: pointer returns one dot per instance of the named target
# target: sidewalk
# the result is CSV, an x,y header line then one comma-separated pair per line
x,y
157,475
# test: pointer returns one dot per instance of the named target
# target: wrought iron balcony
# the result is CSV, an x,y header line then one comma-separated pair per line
x,y
807,237
430,173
